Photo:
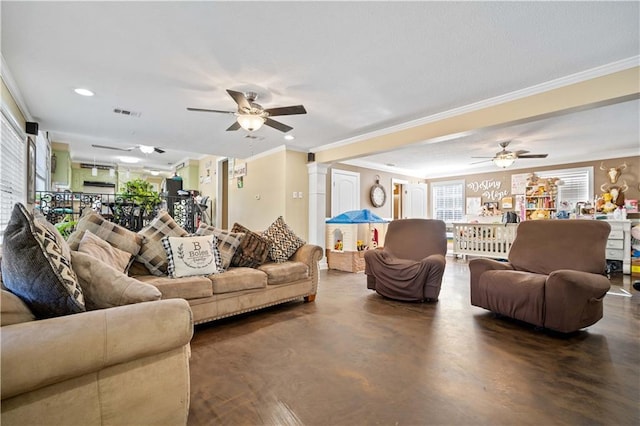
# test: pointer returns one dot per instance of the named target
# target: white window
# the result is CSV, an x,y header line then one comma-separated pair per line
x,y
43,162
12,169
576,185
447,201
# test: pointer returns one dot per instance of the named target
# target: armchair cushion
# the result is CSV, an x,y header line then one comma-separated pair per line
x,y
14,310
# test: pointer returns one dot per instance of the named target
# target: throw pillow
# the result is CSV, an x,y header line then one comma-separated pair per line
x,y
253,249
228,242
105,287
100,249
35,269
284,242
152,254
189,256
116,235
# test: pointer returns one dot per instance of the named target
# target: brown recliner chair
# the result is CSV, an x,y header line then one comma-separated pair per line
x,y
410,265
554,277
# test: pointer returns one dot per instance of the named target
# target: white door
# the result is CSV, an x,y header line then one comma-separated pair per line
x,y
414,201
345,191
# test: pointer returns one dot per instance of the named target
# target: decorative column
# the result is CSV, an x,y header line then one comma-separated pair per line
x,y
317,206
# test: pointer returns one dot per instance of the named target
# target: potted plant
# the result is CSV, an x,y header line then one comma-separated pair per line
x,y
142,195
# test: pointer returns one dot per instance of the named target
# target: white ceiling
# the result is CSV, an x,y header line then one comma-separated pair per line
x,y
358,67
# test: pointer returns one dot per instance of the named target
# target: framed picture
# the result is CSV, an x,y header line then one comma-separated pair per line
x,y
31,171
473,205
507,202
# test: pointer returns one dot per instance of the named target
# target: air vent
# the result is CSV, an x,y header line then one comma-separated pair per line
x,y
97,166
126,112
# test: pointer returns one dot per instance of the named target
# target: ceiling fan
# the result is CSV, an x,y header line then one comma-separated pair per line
x,y
251,116
506,158
146,149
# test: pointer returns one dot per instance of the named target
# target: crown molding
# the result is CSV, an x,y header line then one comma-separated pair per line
x,y
14,91
578,77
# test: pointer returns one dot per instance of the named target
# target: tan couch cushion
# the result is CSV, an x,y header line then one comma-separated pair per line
x,y
95,246
236,279
182,288
106,287
14,310
287,272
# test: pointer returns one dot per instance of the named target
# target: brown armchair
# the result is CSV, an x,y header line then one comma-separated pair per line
x,y
411,264
554,277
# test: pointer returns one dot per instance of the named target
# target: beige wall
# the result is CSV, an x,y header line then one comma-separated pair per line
x,y
367,179
190,174
12,106
261,199
296,213
267,192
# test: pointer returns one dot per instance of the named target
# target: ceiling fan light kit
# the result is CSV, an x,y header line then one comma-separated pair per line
x,y
503,161
250,122
146,149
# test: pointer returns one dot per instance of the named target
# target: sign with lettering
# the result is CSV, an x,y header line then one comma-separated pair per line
x,y
490,189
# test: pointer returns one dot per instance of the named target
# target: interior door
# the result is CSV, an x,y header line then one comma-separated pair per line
x,y
414,200
345,191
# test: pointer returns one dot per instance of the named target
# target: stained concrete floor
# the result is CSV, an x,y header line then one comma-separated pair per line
x,y
355,358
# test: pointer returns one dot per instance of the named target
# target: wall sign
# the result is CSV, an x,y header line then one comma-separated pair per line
x,y
490,189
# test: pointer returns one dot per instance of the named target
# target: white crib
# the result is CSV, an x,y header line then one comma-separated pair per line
x,y
483,239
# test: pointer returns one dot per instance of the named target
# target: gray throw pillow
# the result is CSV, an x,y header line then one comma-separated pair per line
x,y
35,269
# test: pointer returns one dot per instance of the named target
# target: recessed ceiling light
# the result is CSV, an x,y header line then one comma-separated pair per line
x,y
154,172
129,160
146,149
289,137
83,92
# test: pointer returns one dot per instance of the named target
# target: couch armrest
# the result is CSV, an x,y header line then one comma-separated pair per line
x,y
308,253
568,294
39,353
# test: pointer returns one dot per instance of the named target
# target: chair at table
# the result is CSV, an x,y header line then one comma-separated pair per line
x,y
554,277
411,264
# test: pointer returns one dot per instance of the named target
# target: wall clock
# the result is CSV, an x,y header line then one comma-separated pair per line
x,y
378,195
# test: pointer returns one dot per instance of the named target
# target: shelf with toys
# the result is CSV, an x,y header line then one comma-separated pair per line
x,y
541,198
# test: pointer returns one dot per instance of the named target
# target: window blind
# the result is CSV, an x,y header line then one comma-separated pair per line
x,y
448,201
577,186
42,162
12,169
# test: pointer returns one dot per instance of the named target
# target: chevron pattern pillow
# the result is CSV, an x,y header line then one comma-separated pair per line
x,y
284,242
35,268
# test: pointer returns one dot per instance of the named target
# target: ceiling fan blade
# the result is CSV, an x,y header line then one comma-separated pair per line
x,y
210,110
234,126
533,156
520,152
113,148
277,125
483,161
482,157
241,100
158,150
290,110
